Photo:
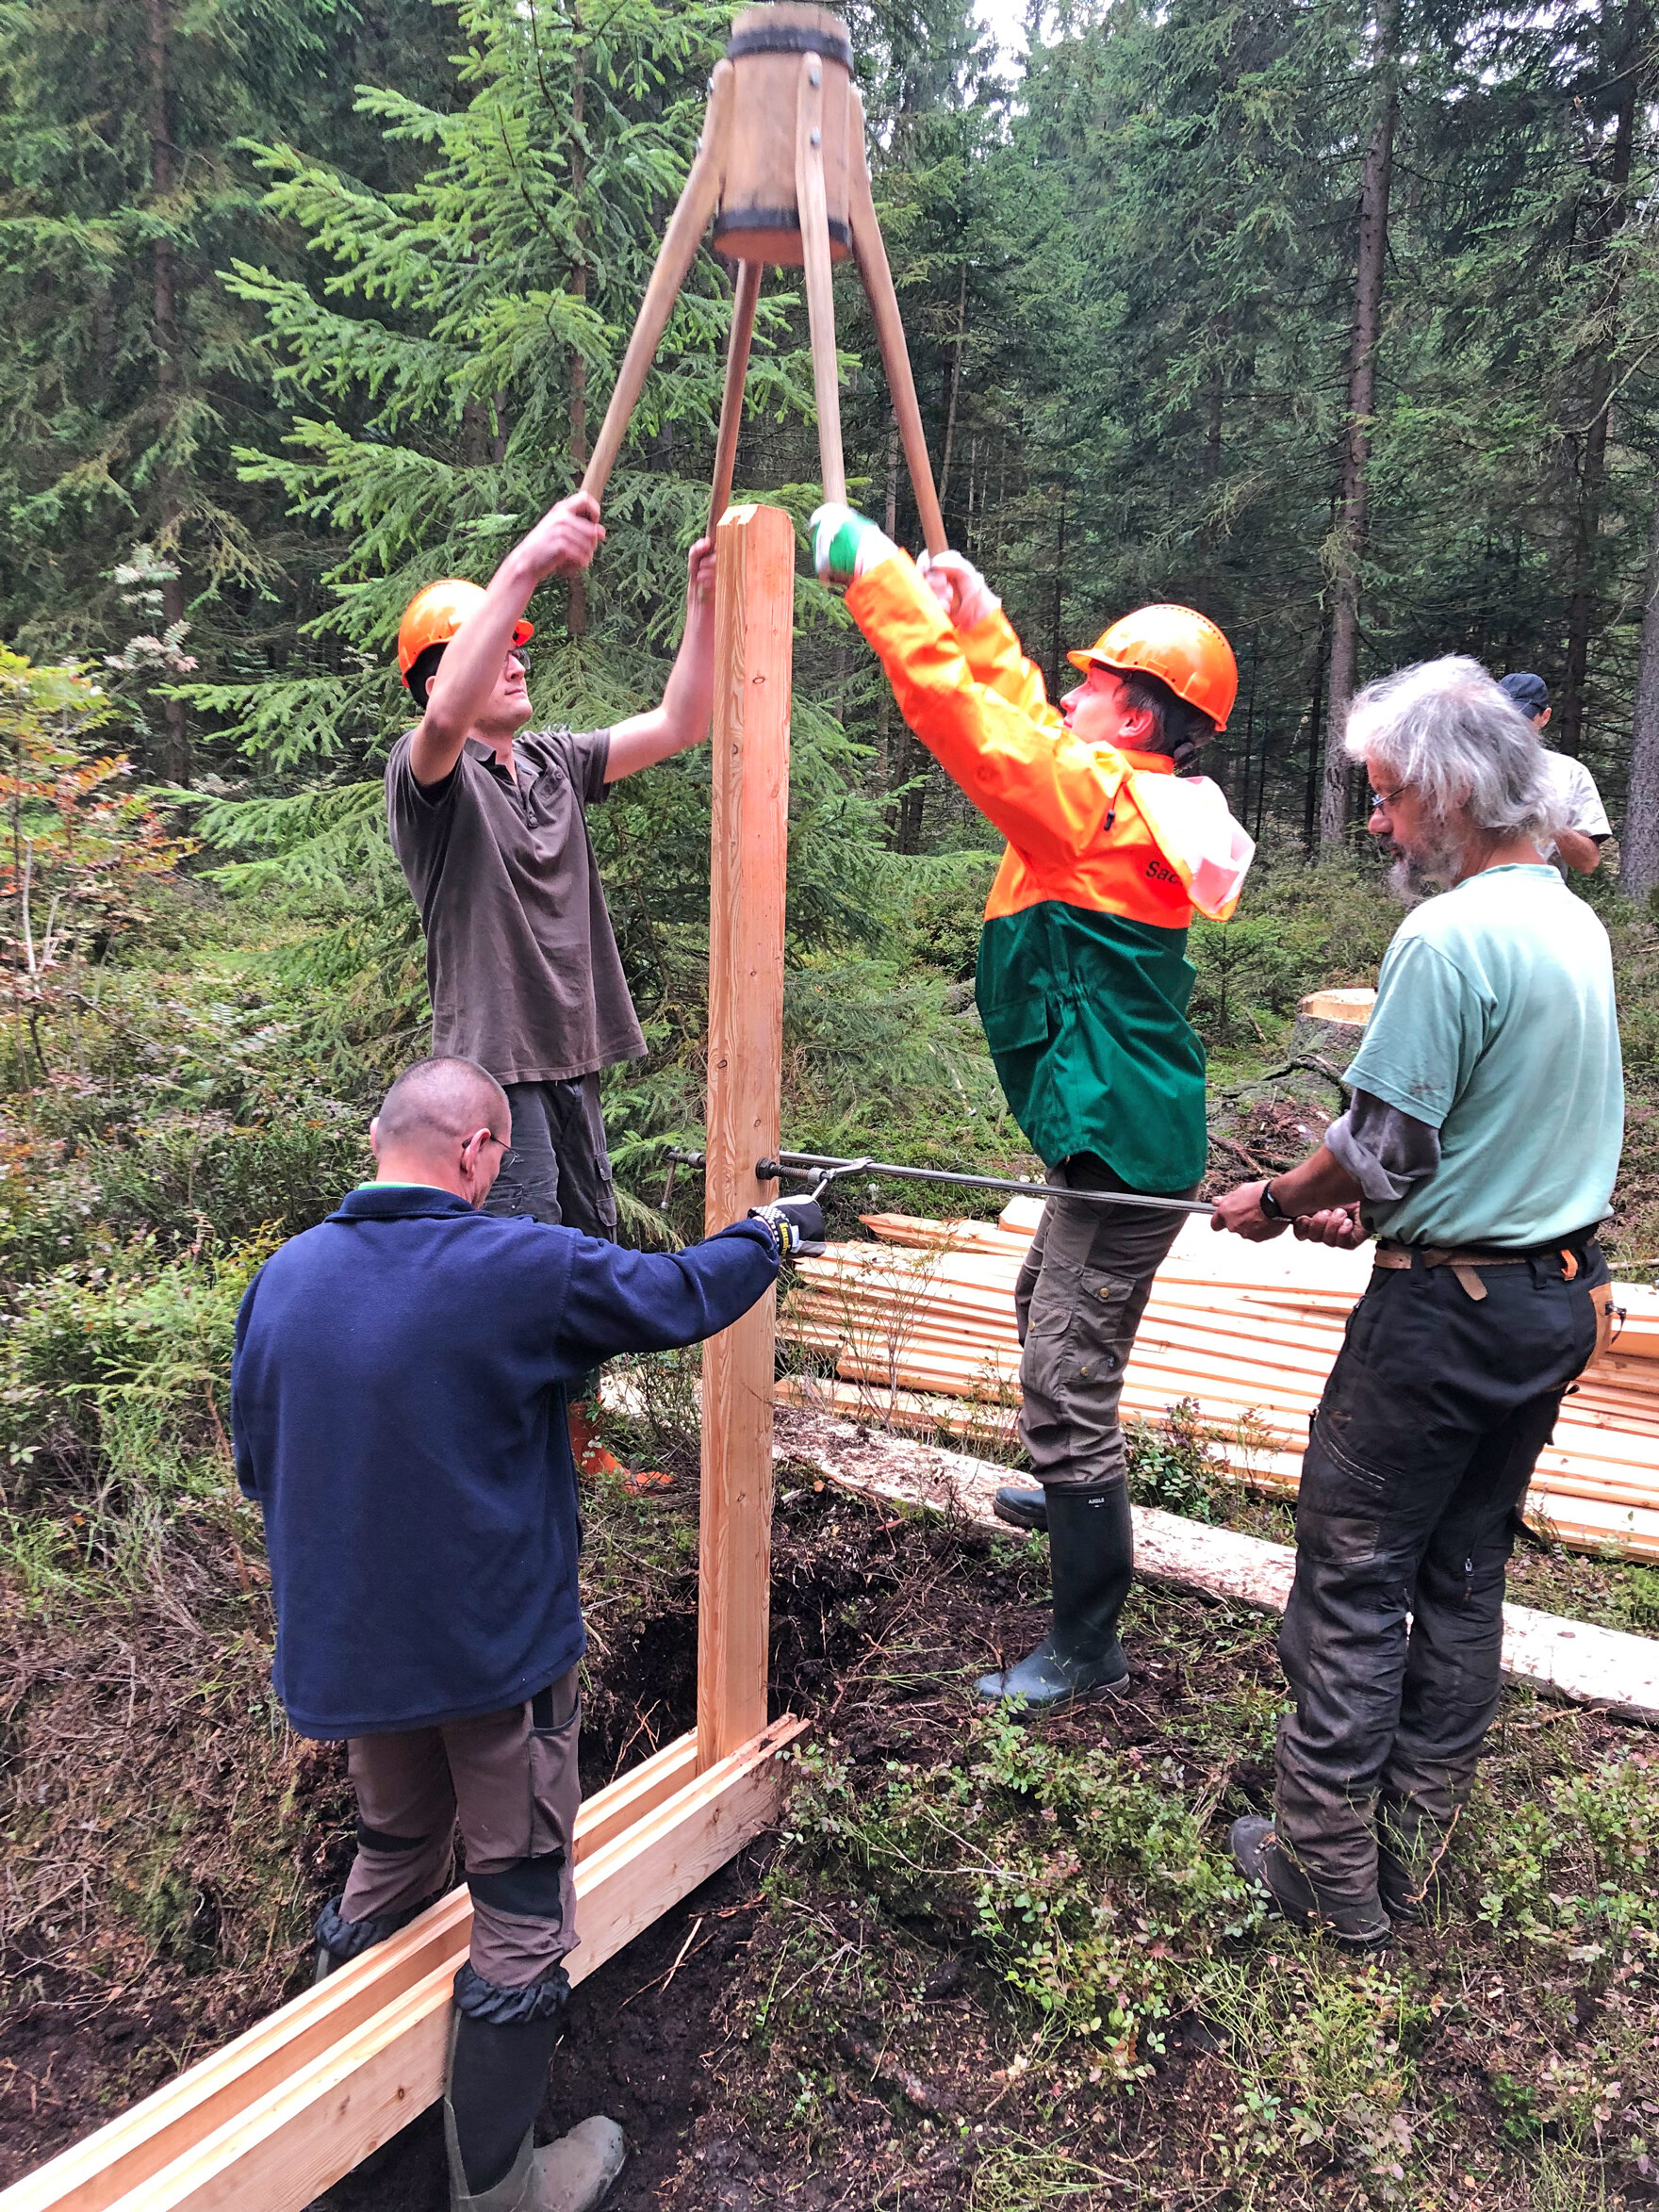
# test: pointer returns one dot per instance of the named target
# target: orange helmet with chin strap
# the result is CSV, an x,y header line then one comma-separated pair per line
x,y
1180,647
434,615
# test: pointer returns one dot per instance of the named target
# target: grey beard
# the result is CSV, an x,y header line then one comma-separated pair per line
x,y
1416,876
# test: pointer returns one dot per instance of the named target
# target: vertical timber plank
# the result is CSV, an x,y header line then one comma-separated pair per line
x,y
754,624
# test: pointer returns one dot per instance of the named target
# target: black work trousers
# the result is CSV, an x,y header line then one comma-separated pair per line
x,y
1420,1456
560,1168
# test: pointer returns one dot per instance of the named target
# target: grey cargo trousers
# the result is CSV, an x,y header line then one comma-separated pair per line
x,y
511,1778
1079,1301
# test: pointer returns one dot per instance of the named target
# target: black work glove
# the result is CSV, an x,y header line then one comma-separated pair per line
x,y
796,1222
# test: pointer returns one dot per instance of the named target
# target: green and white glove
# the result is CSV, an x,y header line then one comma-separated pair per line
x,y
846,544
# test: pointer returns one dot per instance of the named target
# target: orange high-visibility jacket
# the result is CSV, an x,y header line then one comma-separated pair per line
x,y
1083,978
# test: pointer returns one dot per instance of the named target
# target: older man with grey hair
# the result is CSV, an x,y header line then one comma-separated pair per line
x,y
1479,1147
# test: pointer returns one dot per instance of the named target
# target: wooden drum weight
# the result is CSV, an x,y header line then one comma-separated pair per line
x,y
780,167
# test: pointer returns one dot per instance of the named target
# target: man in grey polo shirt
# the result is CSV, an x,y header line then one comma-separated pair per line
x,y
490,827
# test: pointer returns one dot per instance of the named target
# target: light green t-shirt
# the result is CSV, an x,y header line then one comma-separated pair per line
x,y
1495,1024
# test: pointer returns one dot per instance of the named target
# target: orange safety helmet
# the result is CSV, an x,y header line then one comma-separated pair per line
x,y
434,615
1180,647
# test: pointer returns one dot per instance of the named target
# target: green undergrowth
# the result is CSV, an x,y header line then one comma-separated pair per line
x,y
1012,1847
200,1091
1131,2007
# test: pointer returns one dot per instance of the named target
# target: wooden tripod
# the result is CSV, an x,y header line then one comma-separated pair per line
x,y
780,167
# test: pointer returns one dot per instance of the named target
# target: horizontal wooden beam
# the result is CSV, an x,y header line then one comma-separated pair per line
x,y
271,2120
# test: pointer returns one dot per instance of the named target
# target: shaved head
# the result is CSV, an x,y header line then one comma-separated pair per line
x,y
441,1102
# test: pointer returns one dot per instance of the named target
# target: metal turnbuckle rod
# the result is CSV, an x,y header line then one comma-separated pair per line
x,y
819,1170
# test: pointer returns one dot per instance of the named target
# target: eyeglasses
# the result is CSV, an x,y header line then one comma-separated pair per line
x,y
1381,800
508,1154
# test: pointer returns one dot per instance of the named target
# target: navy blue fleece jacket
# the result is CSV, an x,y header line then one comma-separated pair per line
x,y
398,1397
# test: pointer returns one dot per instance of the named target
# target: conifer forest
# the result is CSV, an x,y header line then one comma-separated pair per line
x,y
1336,319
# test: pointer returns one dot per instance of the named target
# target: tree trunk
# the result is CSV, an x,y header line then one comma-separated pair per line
x,y
884,764
1638,840
169,365
1316,685
956,380
1588,442
576,603
1059,586
1376,184
1209,536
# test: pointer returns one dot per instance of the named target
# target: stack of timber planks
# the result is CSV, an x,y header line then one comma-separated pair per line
x,y
919,1326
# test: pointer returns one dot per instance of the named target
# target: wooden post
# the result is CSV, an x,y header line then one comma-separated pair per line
x,y
877,280
754,623
684,235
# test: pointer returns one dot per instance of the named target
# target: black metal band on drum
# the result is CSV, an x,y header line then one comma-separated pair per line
x,y
776,218
788,39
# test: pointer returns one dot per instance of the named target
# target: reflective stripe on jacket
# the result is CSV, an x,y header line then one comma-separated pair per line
x,y
1083,978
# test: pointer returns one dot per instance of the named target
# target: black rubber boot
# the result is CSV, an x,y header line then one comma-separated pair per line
x,y
1357,1924
1021,1508
1403,1897
1091,1564
498,2077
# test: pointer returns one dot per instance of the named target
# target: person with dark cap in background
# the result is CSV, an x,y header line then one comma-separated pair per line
x,y
489,823
1583,826
1113,841
398,1404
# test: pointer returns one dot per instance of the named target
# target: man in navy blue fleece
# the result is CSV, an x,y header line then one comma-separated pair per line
x,y
399,1405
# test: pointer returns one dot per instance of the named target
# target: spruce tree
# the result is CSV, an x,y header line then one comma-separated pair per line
x,y
127,375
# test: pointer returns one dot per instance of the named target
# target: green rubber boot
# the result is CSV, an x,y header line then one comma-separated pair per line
x,y
1091,1564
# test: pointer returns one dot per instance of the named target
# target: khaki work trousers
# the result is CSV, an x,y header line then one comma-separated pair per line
x,y
511,1780
1078,1302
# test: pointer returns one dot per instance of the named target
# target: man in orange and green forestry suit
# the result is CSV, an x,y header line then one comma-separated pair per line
x,y
1083,983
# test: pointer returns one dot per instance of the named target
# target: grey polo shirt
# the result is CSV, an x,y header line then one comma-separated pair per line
x,y
521,959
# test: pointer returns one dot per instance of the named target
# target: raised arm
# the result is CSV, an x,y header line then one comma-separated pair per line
x,y
688,702
1051,797
1579,850
621,1300
562,541
990,643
